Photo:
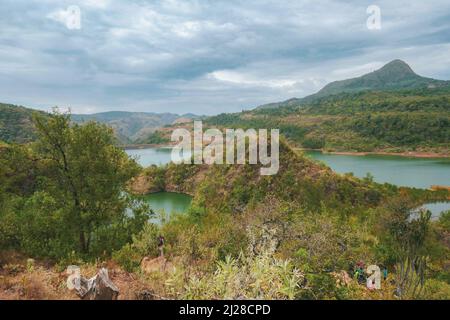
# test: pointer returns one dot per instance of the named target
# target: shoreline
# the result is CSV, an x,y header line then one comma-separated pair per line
x,y
144,146
408,154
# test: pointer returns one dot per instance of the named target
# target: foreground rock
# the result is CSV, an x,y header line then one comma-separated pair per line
x,y
99,287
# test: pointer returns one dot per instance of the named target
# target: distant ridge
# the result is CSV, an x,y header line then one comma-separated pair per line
x,y
133,126
16,123
395,75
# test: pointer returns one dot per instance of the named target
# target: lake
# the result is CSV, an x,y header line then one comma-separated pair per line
x,y
401,171
152,156
167,203
437,208
149,156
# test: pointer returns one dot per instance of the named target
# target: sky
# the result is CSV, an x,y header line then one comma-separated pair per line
x,y
205,56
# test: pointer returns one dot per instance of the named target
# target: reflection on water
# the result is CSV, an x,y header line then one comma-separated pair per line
x,y
152,156
165,204
401,171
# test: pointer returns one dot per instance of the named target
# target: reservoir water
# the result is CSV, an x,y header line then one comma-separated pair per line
x,y
165,204
401,171
149,156
437,208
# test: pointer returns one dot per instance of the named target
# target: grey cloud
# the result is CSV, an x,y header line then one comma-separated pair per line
x,y
206,56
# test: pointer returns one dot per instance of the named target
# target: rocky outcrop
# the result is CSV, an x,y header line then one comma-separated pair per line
x,y
144,184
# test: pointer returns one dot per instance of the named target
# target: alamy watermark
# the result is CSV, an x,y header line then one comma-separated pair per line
x,y
374,20
207,147
73,21
70,17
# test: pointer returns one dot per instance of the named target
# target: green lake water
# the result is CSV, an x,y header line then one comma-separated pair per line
x,y
401,171
165,204
151,156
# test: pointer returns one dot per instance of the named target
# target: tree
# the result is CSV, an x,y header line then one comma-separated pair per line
x,y
85,173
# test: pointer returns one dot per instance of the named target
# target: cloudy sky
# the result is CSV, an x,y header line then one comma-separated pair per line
x,y
206,56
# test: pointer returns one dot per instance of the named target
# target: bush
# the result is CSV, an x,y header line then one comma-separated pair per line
x,y
256,274
247,277
127,257
313,143
144,244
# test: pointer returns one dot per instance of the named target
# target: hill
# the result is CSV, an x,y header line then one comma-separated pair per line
x,y
415,120
295,235
395,75
392,109
230,188
134,126
16,124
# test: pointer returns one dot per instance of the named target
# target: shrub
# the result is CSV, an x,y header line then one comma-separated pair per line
x,y
436,290
247,277
144,244
251,275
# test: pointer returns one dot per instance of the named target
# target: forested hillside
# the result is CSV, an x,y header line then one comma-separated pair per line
x,y
16,124
134,127
129,127
69,198
405,120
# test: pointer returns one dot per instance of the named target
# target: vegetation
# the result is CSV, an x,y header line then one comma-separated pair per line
x,y
155,138
133,127
303,233
395,75
396,121
65,194
305,225
16,124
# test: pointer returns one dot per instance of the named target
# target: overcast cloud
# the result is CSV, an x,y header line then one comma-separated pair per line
x,y
205,56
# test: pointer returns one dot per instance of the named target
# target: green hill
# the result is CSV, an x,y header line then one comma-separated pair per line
x,y
390,110
396,75
131,127
16,124
393,76
230,188
393,121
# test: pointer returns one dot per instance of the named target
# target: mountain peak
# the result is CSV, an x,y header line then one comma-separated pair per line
x,y
395,70
394,75
397,64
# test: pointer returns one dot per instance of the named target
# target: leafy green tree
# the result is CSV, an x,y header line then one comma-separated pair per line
x,y
85,175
